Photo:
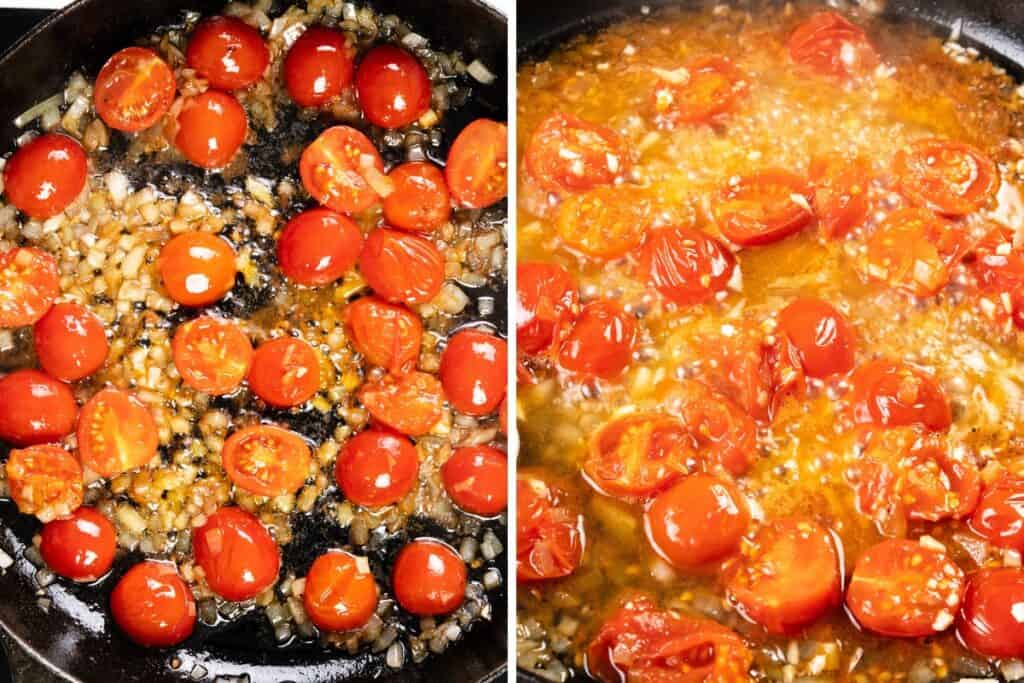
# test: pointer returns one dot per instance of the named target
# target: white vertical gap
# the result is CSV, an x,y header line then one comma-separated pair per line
x,y
513,435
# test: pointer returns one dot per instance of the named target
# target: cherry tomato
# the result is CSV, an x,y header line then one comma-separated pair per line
x,y
477,167
318,247
829,44
475,478
153,605
566,154
35,408
549,531
340,592
44,176
419,200
903,589
80,547
212,355
429,578
725,435
738,367
116,433
473,371
605,222
503,416
341,168
29,283
999,516
134,89
70,342
546,298
686,266
228,53
285,372
823,337
393,87
318,67
236,553
411,403
914,250
266,460
890,394
45,481
402,267
789,380
763,207
990,620
197,268
388,335
711,87
211,129
840,193
951,178
996,263
601,341
377,468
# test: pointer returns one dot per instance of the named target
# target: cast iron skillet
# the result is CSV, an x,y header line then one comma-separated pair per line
x,y
995,27
73,636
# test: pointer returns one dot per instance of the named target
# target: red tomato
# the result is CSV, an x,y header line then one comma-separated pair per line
x,y
475,478
44,176
266,460
318,66
903,589
686,266
473,371
549,531
377,468
35,408
951,178
787,576
29,282
388,335
997,263
601,341
134,89
212,355
80,547
990,620
890,394
227,52
605,222
45,481
763,207
318,247
546,299
340,592
823,337
411,403
401,267
285,372
711,87
503,416
477,166
725,435
70,342
236,553
999,517
829,44
393,87
566,154
914,250
211,129
153,605
737,366
116,433
840,193
429,578
341,169
197,268
419,200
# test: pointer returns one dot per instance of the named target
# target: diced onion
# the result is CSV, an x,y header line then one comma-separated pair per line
x,y
380,183
38,109
480,72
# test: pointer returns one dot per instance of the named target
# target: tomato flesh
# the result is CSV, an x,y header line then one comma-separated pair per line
x,y
990,622
29,282
45,175
393,87
153,606
566,154
227,52
238,557
116,433
763,207
386,334
402,267
80,547
477,167
841,187
726,436
318,247
823,337
914,250
549,531
420,199
212,355
891,394
951,178
546,298
337,167
35,408
601,341
473,371
134,89
340,592
45,481
475,478
285,372
830,45
377,468
686,266
428,578
318,67
411,403
70,342
197,268
211,129
711,87
605,222
266,460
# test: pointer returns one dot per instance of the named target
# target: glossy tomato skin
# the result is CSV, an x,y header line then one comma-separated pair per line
x,y
473,371
285,372
477,168
386,334
841,187
227,52
318,67
547,296
197,268
420,199
335,169
823,337
45,481
999,517
45,175
318,246
211,129
70,342
549,531
951,178
237,554
36,408
116,433
725,435
713,88
266,460
601,341
475,478
393,87
830,45
29,282
411,403
80,547
340,592
891,394
428,578
212,355
134,89
402,267
153,605
989,622
377,468
760,208
686,266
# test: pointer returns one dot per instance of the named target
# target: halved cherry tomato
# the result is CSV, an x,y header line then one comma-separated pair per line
x,y
999,517
891,394
227,52
738,367
393,87
211,129
45,481
600,342
285,372
549,531
318,67
45,175
697,522
340,170
212,355
134,89
475,478
116,433
266,460
605,222
35,408
197,268
726,436
388,335
411,403
951,178
685,265
914,249
419,200
997,263
787,576
340,592
318,247
546,298
29,283
823,337
829,44
402,267
429,578
70,342
903,589
236,553
477,167
153,605
763,207
377,468
990,621
707,88
840,193
80,547
566,154
789,381
473,371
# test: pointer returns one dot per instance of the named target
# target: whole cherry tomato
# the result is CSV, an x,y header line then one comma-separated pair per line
x,y
340,592
318,67
211,129
80,547
393,87
70,342
428,578
153,605
475,478
44,176
197,268
377,468
36,408
318,247
238,557
473,371
227,52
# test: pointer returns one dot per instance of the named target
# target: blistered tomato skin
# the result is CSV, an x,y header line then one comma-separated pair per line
x,y
44,176
999,517
824,339
393,87
990,622
892,394
549,531
80,547
601,341
237,554
153,606
420,200
387,334
402,267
